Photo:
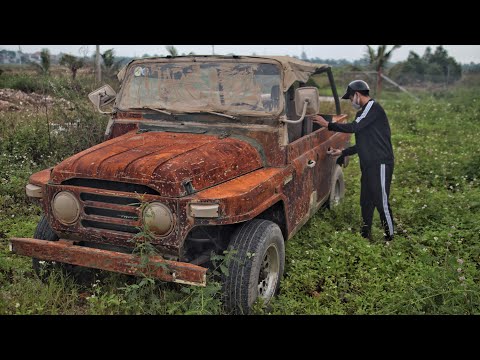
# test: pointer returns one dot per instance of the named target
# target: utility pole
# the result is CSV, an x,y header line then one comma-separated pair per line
x,y
448,75
98,71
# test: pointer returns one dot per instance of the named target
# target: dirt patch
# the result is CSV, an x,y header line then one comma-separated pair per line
x,y
7,106
15,100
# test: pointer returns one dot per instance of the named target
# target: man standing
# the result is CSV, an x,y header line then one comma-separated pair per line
x,y
374,147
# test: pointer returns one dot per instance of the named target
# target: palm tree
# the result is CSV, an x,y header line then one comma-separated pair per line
x,y
111,65
172,50
44,66
378,61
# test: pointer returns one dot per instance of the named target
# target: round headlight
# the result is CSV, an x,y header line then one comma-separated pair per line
x,y
66,207
158,218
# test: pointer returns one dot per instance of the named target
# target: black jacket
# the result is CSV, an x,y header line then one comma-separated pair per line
x,y
372,135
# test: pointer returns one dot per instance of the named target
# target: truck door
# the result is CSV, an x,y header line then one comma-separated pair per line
x,y
300,190
322,175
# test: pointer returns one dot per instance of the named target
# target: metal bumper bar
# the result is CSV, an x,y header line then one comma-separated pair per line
x,y
65,252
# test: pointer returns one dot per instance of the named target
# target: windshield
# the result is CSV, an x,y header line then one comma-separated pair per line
x,y
231,87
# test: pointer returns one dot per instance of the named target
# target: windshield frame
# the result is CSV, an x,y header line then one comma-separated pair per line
x,y
206,60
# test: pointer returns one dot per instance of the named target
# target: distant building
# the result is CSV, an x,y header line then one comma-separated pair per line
x,y
35,57
19,57
9,57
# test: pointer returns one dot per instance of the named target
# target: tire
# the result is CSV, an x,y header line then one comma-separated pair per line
x,y
43,269
256,267
337,188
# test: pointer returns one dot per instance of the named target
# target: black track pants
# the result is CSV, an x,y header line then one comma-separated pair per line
x,y
374,193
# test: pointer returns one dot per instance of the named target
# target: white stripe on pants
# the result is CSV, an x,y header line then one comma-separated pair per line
x,y
385,200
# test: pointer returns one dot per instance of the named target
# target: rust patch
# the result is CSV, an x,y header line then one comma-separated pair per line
x,y
247,196
128,115
163,161
119,129
40,178
275,154
66,252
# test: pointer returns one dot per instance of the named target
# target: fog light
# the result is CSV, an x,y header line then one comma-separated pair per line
x,y
66,207
158,218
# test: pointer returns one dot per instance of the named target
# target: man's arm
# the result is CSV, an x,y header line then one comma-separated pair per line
x,y
345,152
365,119
350,150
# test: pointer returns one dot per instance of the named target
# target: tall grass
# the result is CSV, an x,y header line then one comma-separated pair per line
x,y
432,266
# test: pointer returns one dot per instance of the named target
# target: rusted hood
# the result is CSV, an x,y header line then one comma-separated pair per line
x,y
163,161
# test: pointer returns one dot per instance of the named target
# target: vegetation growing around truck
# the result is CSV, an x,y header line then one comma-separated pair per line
x,y
430,268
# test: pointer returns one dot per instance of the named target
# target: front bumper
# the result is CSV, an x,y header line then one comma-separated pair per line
x,y
66,252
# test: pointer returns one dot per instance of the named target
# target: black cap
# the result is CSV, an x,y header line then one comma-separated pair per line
x,y
347,93
355,85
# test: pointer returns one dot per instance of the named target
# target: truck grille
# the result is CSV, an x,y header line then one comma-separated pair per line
x,y
108,212
107,226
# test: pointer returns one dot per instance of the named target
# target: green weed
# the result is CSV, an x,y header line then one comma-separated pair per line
x,y
430,268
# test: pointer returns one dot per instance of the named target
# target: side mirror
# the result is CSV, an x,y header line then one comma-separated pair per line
x,y
307,96
102,96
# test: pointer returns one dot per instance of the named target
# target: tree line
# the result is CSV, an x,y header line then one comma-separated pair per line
x,y
433,66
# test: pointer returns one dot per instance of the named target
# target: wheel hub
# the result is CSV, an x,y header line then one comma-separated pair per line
x,y
269,271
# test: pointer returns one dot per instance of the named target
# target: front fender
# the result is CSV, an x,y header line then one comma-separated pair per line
x,y
245,197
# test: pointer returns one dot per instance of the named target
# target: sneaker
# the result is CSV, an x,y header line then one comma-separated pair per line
x,y
366,233
387,237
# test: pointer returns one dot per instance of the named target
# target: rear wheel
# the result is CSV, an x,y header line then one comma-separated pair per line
x,y
337,189
256,266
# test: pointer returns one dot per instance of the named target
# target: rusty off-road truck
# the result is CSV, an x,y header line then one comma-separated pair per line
x,y
205,154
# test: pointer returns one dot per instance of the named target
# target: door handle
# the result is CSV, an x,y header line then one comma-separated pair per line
x,y
311,163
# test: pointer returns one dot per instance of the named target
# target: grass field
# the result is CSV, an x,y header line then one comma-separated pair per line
x,y
432,266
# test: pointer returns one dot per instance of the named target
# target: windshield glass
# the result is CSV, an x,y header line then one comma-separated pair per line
x,y
200,86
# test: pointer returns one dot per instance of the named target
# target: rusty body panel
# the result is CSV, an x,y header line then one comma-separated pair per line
x,y
309,188
162,161
40,178
240,198
268,136
66,252
121,128
243,165
245,197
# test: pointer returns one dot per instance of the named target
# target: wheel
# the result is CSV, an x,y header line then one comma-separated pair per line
x,y
256,267
337,189
43,269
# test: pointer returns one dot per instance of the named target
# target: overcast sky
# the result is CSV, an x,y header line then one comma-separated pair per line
x,y
462,53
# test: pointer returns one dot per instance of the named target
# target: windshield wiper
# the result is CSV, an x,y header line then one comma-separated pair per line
x,y
213,113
